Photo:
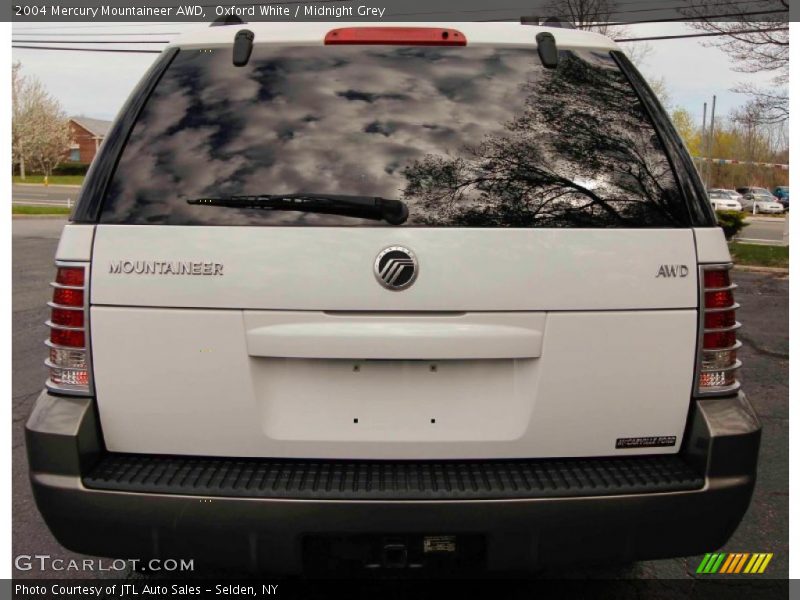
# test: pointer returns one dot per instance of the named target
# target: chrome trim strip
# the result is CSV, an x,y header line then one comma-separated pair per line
x,y
63,306
67,287
734,306
50,344
52,325
733,327
719,391
727,288
736,346
67,389
51,365
733,367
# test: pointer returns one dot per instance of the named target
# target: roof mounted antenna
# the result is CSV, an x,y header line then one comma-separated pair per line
x,y
242,47
548,51
227,20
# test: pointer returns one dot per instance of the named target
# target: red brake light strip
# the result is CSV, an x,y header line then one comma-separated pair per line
x,y
399,36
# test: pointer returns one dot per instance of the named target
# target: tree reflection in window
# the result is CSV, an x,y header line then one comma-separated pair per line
x,y
583,153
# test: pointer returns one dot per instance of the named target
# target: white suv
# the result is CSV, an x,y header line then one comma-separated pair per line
x,y
393,296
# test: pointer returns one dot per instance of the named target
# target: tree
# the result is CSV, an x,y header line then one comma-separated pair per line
x,y
568,159
756,36
597,16
742,135
659,87
40,132
688,130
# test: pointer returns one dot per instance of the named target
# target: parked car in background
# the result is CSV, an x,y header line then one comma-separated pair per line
x,y
721,200
782,194
732,194
759,200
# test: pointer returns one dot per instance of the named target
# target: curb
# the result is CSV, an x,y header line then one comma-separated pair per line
x,y
41,185
45,216
757,269
775,219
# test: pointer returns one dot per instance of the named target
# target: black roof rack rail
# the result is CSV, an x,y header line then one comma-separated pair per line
x,y
227,20
547,22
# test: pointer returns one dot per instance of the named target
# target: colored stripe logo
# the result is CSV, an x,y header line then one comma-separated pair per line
x,y
733,563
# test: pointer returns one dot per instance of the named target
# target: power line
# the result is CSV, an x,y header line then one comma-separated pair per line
x,y
90,42
95,26
103,33
612,12
697,35
87,49
683,19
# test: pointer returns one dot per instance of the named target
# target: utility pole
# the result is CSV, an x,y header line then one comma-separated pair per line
x,y
703,146
711,139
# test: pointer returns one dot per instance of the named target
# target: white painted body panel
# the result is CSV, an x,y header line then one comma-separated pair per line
x,y
511,343
711,245
376,336
75,243
330,268
181,381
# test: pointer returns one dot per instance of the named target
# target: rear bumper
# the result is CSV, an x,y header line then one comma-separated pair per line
x,y
268,533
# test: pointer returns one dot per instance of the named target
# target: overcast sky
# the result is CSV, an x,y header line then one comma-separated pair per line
x,y
96,84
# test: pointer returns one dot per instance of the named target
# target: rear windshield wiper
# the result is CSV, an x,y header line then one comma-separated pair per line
x,y
394,212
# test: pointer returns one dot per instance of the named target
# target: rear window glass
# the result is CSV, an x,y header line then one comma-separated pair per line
x,y
465,137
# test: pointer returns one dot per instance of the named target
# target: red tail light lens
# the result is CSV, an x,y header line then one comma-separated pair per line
x,y
717,361
716,279
67,360
718,339
70,276
719,320
720,299
68,297
66,317
68,337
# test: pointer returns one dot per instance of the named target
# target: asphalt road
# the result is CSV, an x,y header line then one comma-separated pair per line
x,y
764,313
58,195
773,229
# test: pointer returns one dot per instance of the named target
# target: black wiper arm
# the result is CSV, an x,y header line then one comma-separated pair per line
x,y
394,212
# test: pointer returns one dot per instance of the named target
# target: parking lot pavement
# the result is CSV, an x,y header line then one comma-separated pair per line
x,y
764,313
766,229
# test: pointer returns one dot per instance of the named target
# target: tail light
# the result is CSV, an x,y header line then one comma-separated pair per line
x,y
68,360
717,344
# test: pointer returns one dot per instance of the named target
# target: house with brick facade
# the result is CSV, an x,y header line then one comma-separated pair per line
x,y
87,135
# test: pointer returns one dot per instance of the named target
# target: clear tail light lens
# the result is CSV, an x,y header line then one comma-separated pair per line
x,y
68,360
717,362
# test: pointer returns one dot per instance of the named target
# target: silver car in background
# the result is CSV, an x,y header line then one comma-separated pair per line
x,y
724,200
759,200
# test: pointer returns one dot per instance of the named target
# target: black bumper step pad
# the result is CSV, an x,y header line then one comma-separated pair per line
x,y
392,480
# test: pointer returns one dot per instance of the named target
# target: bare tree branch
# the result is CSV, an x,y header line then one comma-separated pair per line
x,y
758,43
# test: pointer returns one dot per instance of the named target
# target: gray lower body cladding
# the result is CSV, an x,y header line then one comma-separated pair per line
x,y
686,504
